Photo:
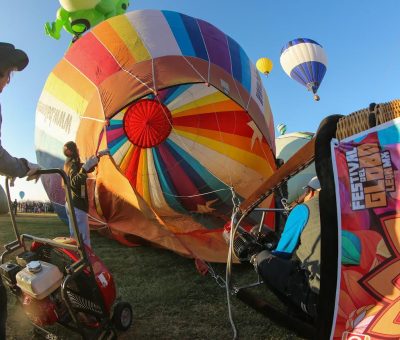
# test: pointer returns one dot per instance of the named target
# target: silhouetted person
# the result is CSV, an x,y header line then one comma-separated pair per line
x,y
15,206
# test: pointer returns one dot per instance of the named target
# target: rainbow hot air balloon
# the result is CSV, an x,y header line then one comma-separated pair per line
x,y
185,117
305,61
264,65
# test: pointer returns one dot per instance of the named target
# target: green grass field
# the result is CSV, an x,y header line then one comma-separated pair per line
x,y
170,299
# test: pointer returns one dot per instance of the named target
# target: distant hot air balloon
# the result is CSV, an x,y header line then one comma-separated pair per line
x,y
281,128
21,195
305,61
264,65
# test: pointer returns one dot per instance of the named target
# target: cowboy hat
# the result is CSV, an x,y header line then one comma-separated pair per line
x,y
12,57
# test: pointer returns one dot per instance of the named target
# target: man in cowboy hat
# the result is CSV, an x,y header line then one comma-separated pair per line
x,y
11,59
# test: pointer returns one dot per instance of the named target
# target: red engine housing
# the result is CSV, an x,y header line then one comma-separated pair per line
x,y
40,312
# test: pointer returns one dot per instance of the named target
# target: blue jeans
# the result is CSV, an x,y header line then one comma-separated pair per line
x,y
82,224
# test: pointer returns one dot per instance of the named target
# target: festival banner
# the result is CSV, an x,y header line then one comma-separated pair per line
x,y
367,180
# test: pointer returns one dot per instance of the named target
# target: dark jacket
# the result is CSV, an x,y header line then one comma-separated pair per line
x,y
9,165
78,177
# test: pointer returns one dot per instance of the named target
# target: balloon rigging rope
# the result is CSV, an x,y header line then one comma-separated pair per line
x,y
105,225
208,56
153,76
194,69
95,119
235,211
230,57
138,79
61,205
122,68
93,218
190,196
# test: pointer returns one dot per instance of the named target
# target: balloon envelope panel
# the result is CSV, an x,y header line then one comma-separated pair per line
x,y
3,201
286,147
184,115
189,145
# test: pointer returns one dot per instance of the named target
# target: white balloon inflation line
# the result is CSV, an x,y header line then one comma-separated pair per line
x,y
105,225
93,218
190,196
95,119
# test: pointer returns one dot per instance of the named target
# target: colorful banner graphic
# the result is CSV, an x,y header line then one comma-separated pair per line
x,y
367,175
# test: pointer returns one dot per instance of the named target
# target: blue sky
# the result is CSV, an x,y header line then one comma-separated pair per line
x,y
361,39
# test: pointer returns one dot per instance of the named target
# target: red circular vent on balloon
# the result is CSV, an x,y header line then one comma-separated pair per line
x,y
147,123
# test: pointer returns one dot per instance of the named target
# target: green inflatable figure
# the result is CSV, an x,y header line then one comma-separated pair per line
x,y
78,16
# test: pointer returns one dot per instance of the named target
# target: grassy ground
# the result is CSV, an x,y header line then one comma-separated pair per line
x,y
170,299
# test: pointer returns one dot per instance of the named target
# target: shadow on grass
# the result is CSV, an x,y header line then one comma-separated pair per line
x,y
170,299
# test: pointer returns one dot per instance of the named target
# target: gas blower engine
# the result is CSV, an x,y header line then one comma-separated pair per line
x,y
48,294
62,281
250,240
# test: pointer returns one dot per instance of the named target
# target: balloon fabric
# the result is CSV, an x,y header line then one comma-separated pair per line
x,y
186,119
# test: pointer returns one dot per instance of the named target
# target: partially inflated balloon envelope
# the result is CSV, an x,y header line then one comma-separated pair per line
x,y
3,201
185,117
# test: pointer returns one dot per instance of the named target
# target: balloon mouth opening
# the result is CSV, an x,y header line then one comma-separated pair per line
x,y
147,123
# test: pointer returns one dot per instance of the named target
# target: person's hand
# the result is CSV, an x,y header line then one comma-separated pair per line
x,y
12,181
32,172
103,152
90,164
253,261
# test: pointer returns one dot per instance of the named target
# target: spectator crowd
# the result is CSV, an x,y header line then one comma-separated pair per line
x,y
33,207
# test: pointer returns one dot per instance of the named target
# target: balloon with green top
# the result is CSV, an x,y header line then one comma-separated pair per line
x,y
78,16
